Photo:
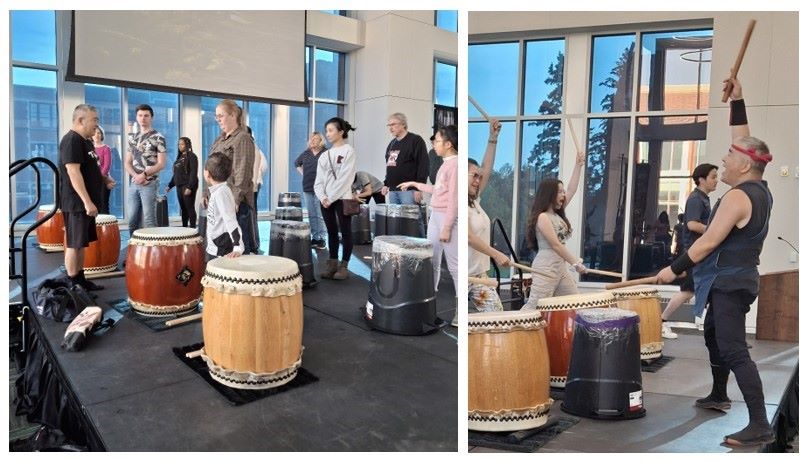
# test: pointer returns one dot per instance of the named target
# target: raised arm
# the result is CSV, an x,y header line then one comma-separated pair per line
x,y
572,184
494,127
737,112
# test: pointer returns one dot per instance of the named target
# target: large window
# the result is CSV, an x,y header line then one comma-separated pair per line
x,y
446,19
35,122
646,114
638,206
327,101
107,99
166,108
261,124
522,84
445,84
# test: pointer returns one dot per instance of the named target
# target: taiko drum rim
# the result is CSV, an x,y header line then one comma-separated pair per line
x,y
505,321
575,302
636,292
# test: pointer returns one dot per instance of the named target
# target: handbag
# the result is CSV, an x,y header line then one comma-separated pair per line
x,y
350,206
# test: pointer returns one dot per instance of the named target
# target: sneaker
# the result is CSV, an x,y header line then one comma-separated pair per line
x,y
712,403
667,333
750,435
320,244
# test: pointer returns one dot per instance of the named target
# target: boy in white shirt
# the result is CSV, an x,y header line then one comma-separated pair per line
x,y
224,237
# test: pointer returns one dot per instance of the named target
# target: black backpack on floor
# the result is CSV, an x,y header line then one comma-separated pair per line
x,y
60,299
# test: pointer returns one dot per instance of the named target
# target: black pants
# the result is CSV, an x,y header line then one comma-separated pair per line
x,y
337,223
245,216
725,337
187,209
105,201
377,197
256,237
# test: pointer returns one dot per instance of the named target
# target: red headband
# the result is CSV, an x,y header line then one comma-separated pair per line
x,y
752,153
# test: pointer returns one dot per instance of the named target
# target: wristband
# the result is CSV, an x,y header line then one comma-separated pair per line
x,y
492,141
681,264
737,113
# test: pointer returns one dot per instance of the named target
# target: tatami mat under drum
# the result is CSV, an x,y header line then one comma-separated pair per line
x,y
652,366
154,323
526,441
238,397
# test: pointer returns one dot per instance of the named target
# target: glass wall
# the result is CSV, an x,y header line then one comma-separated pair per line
x,y
446,19
646,107
34,105
107,99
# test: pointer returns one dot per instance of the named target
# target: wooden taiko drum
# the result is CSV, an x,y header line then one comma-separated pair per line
x,y
559,312
51,234
164,270
253,321
508,371
102,255
644,300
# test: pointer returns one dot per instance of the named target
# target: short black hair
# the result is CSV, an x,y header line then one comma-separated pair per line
x,y
144,107
219,166
702,171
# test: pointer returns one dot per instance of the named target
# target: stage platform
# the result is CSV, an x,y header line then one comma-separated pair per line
x,y
672,423
376,391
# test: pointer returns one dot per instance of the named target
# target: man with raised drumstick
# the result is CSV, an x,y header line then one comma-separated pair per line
x,y
724,263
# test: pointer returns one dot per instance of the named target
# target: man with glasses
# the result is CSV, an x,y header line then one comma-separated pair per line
x,y
144,159
407,160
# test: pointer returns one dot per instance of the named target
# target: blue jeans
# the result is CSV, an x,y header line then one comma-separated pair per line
x,y
318,230
401,197
141,204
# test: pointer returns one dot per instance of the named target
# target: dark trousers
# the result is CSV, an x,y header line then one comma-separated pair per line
x,y
105,201
244,216
377,197
187,209
337,223
256,237
725,337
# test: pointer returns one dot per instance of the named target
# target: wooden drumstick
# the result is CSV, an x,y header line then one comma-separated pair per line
x,y
481,281
631,283
739,58
103,275
479,108
574,138
530,269
195,354
182,320
606,273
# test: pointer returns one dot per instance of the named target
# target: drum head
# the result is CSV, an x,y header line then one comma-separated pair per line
x,y
252,267
165,236
503,321
402,245
636,292
105,220
579,301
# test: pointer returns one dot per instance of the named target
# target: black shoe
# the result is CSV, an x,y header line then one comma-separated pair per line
x,y
713,403
91,286
750,435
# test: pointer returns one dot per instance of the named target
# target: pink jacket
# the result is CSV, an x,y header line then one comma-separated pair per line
x,y
104,159
444,192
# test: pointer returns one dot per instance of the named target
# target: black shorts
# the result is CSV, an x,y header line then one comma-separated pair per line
x,y
79,230
687,283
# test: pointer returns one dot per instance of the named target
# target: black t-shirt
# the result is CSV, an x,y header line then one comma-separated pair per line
x,y
309,163
407,160
75,149
697,208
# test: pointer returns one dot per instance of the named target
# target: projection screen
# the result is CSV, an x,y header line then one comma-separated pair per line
x,y
251,54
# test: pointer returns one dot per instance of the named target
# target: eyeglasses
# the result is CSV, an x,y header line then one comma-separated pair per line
x,y
220,116
393,124
474,176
